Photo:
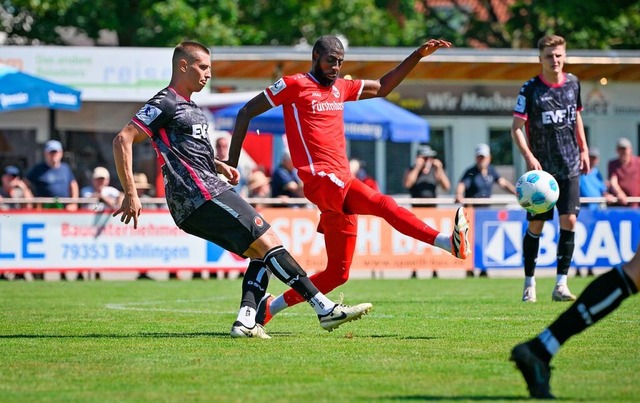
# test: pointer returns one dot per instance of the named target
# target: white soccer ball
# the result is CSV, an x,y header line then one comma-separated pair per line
x,y
537,191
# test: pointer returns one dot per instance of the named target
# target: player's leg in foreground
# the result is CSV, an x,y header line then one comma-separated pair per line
x,y
601,297
241,230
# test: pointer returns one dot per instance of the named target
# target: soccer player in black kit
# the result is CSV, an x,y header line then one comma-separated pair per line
x,y
202,204
549,104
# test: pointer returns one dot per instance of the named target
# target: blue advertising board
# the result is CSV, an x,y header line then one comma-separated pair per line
x,y
603,238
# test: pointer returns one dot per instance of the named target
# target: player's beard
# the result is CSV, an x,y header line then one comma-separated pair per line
x,y
322,78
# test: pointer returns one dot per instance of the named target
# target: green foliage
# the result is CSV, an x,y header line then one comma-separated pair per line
x,y
586,24
613,24
426,340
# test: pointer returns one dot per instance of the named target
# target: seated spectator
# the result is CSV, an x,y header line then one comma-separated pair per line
x,y
259,185
592,184
624,174
53,178
109,198
143,187
13,187
285,181
478,180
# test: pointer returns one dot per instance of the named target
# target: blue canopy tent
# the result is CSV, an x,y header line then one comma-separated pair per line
x,y
20,90
373,119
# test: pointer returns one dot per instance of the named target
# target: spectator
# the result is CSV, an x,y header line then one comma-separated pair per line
x,y
259,186
477,182
624,174
13,187
53,178
143,187
285,182
592,184
222,153
426,174
108,197
358,170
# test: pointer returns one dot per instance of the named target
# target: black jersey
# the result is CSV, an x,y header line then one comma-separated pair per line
x,y
180,134
550,111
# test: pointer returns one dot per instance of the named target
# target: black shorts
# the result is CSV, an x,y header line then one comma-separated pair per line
x,y
228,221
568,201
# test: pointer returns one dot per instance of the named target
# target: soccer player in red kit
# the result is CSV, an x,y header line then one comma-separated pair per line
x,y
313,105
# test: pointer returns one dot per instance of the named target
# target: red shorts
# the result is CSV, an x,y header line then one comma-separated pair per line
x,y
328,191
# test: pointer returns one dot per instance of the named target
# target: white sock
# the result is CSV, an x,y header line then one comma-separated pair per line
x,y
529,281
322,304
561,279
247,316
277,304
443,242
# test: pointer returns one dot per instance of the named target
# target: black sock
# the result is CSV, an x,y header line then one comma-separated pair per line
x,y
565,250
601,297
254,283
287,270
530,246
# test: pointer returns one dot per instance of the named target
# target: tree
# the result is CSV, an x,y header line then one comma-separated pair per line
x,y
466,23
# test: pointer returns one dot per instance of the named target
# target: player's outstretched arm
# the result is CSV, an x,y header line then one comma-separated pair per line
x,y
387,83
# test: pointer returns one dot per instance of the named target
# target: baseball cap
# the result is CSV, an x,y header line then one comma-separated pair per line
x,y
12,170
52,145
594,152
623,142
482,150
100,172
427,151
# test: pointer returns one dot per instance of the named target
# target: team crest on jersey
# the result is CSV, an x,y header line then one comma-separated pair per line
x,y
336,92
278,86
521,103
258,221
148,113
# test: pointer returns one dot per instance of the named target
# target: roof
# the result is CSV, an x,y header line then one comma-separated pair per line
x,y
448,64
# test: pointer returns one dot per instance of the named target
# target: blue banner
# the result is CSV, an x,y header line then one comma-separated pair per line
x,y
603,238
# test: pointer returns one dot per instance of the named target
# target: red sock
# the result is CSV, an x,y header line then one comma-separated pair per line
x,y
361,199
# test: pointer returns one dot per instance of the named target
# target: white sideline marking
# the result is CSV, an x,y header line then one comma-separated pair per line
x,y
147,306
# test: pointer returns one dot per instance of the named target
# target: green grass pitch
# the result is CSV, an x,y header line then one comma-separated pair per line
x,y
426,340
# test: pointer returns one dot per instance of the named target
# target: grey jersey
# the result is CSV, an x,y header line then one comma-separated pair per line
x,y
550,111
180,134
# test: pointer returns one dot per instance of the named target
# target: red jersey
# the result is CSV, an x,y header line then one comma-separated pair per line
x,y
314,120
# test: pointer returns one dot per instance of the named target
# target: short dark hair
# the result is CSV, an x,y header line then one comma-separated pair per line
x,y
549,41
326,43
187,50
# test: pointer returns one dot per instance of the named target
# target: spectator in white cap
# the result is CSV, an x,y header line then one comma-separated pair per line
x,y
624,174
478,180
108,197
477,183
53,177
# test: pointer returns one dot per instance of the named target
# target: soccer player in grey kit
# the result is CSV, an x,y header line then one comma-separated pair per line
x,y
549,104
202,204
